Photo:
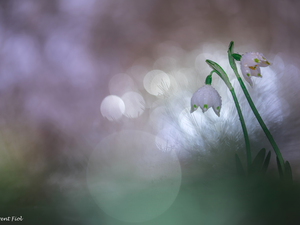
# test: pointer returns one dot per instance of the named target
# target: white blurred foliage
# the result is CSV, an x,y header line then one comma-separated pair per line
x,y
134,104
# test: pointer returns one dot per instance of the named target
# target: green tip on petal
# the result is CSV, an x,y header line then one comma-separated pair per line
x,y
256,60
205,106
248,74
195,106
268,63
259,75
218,108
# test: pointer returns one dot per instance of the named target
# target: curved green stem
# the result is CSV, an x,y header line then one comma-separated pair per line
x,y
256,113
218,70
208,79
262,124
237,105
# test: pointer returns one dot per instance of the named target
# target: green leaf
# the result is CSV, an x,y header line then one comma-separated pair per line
x,y
279,168
266,163
239,166
218,69
236,56
231,58
257,164
288,172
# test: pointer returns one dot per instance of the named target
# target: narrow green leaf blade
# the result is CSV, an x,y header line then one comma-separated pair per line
x,y
215,66
288,172
257,163
279,168
266,163
230,57
239,166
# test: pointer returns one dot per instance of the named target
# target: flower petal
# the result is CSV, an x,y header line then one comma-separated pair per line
x,y
217,110
246,71
206,97
263,61
256,72
249,59
217,105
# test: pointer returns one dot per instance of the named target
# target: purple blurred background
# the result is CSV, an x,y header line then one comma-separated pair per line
x,y
60,59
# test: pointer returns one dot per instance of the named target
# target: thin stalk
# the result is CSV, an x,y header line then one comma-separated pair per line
x,y
256,113
237,105
262,124
217,69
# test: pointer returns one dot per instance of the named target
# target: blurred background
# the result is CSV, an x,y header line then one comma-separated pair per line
x,y
94,109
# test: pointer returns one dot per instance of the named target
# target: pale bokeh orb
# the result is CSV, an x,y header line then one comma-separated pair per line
x,y
112,107
134,104
180,79
130,179
169,139
137,72
157,118
121,83
165,63
156,82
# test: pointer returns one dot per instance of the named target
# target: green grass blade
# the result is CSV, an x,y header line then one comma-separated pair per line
x,y
279,168
266,163
288,172
258,161
239,166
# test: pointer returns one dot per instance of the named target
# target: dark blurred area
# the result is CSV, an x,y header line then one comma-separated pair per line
x,y
60,60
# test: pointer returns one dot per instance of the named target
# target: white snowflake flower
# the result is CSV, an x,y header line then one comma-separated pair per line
x,y
251,63
206,97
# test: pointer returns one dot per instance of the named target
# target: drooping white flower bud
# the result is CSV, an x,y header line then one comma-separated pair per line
x,y
251,63
206,97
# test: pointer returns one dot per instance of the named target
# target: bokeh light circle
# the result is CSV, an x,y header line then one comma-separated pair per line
x,y
169,139
134,104
112,107
132,180
165,63
121,83
156,82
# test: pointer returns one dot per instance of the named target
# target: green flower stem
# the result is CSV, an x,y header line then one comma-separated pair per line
x,y
256,113
262,124
208,79
237,105
218,70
